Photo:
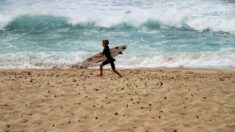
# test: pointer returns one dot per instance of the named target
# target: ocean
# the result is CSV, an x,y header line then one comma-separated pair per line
x,y
42,34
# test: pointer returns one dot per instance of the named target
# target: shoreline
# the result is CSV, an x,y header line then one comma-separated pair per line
x,y
142,68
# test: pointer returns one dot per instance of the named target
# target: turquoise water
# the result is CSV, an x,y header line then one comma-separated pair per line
x,y
171,33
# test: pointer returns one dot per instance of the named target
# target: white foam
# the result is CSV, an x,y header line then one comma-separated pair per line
x,y
196,14
223,59
40,60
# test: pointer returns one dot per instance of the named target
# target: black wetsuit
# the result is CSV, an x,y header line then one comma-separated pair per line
x,y
110,59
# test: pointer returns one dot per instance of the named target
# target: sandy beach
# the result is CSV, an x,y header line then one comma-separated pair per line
x,y
146,100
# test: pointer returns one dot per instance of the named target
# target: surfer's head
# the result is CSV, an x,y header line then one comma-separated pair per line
x,y
105,43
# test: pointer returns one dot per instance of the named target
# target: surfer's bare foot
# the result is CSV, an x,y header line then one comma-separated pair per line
x,y
115,71
121,76
100,75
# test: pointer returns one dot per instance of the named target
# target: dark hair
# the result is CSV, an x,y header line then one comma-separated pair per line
x,y
105,42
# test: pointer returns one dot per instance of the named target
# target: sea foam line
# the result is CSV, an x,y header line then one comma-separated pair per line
x,y
221,59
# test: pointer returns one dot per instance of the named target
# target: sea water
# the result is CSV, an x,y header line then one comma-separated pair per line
x,y
159,33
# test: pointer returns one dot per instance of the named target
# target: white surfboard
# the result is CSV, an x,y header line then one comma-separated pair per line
x,y
97,58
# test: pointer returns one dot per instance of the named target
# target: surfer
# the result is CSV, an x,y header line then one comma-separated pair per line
x,y
109,59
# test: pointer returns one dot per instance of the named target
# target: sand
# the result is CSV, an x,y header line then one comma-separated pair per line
x,y
146,100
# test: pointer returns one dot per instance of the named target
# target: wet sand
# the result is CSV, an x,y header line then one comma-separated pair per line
x,y
146,100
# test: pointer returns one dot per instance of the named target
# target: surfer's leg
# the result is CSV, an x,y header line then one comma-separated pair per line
x,y
112,65
114,69
101,66
101,70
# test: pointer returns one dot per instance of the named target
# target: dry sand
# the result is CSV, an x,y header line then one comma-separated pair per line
x,y
153,100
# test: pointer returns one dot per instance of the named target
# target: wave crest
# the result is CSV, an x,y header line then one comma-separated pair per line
x,y
37,23
48,23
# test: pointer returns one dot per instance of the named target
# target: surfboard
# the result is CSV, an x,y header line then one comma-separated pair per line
x,y
97,58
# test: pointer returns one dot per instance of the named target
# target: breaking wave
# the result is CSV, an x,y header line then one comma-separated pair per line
x,y
50,23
